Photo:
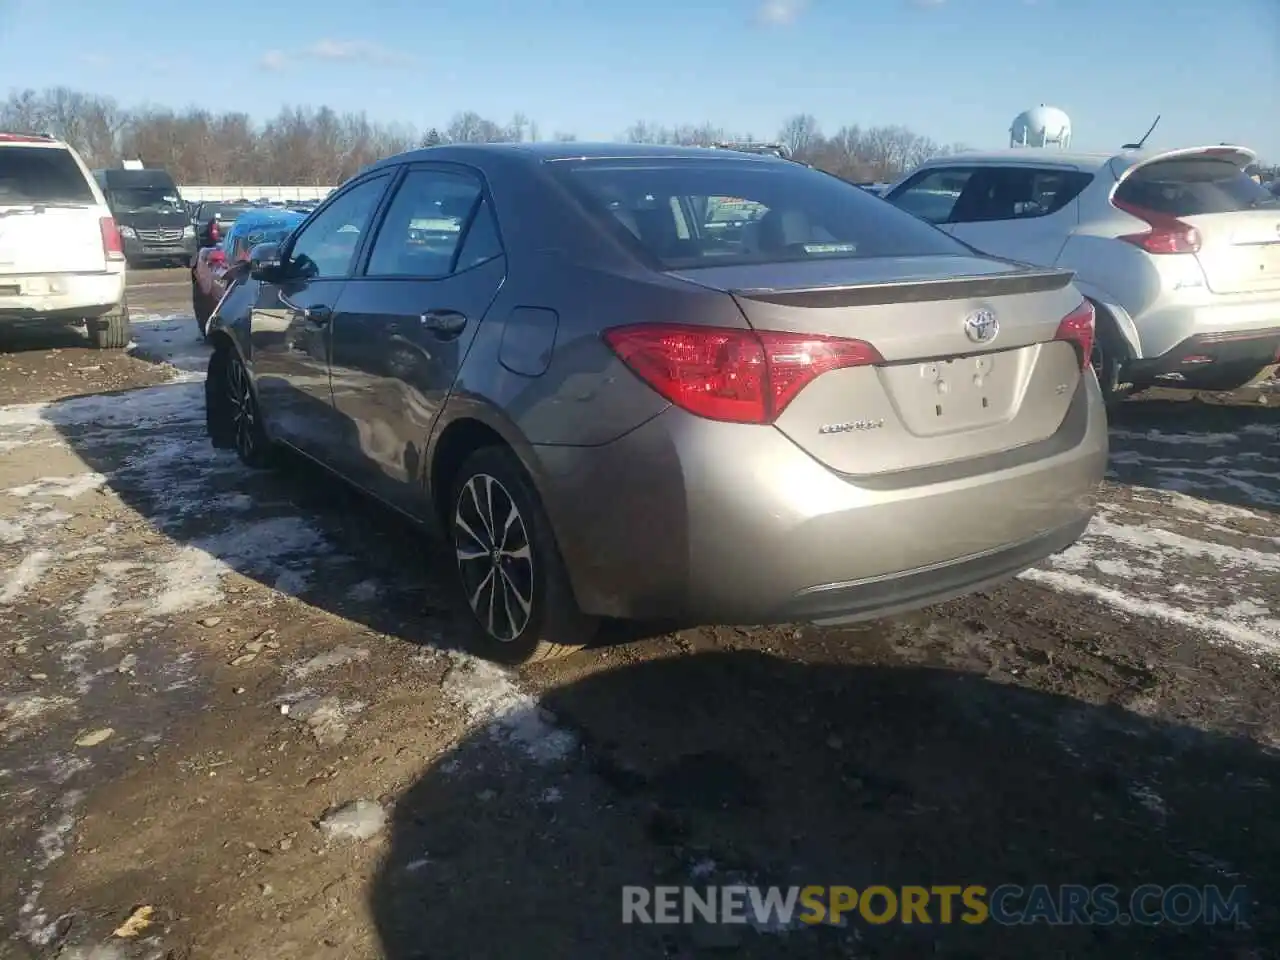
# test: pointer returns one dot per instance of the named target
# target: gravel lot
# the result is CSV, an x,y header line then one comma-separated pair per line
x,y
199,662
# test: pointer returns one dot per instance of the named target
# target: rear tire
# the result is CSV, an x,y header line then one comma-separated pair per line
x,y
1107,360
512,575
110,332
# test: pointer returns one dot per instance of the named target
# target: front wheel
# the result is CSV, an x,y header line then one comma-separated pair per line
x,y
509,565
231,410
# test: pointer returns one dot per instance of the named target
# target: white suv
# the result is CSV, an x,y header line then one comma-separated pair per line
x,y
61,258
1178,250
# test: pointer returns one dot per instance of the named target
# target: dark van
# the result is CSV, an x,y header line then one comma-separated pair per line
x,y
154,222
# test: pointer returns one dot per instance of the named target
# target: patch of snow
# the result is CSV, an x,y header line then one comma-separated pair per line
x,y
365,591
360,820
145,407
25,575
1236,633
337,657
69,487
487,695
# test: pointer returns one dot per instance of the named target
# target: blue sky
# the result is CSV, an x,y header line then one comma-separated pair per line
x,y
955,70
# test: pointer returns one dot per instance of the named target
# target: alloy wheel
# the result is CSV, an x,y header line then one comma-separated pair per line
x,y
243,410
495,560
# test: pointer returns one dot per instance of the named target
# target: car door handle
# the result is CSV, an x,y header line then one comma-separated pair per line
x,y
445,324
317,314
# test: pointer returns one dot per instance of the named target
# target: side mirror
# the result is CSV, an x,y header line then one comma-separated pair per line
x,y
265,263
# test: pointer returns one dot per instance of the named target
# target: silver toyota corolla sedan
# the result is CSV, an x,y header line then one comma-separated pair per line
x,y
661,383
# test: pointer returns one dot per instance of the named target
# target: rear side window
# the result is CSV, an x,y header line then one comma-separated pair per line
x,y
41,175
989,193
223,211
689,213
1193,186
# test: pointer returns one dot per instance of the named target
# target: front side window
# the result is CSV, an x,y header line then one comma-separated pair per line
x,y
327,246
692,212
42,175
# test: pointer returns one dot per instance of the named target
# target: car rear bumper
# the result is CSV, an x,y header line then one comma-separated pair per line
x,y
689,520
60,295
136,249
1166,329
1204,351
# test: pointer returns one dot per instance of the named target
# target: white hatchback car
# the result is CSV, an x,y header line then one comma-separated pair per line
x,y
1178,250
61,257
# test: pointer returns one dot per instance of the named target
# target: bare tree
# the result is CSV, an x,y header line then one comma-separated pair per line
x,y
309,145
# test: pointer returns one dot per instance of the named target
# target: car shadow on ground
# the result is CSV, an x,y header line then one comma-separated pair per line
x,y
294,528
518,843
35,336
1220,451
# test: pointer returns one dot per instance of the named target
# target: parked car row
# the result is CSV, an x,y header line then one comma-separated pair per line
x,y
1177,250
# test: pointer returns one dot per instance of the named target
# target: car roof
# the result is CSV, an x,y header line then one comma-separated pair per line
x,y
550,151
1119,161
1033,156
30,140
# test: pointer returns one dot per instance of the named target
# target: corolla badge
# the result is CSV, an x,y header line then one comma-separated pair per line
x,y
981,326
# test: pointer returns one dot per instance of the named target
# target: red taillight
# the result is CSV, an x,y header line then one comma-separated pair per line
x,y
742,376
1078,327
112,245
1166,234
214,233
216,258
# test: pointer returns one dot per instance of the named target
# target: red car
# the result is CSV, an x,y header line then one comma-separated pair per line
x,y
217,268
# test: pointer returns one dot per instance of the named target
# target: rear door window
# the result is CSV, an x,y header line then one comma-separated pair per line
x,y
1192,186
685,212
42,175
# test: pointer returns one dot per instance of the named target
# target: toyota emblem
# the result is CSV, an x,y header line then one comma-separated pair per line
x,y
981,326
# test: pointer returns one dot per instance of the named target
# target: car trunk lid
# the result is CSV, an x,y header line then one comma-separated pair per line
x,y
50,238
970,362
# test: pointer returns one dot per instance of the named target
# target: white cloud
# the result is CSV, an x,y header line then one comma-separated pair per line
x,y
780,13
274,60
334,51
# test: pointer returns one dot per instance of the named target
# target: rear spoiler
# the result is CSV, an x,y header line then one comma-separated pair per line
x,y
1240,156
915,291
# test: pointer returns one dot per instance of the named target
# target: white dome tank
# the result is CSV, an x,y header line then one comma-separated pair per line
x,y
1041,127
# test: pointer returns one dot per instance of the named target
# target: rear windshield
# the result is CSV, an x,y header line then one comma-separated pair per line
x,y
688,213
42,175
224,211
1194,186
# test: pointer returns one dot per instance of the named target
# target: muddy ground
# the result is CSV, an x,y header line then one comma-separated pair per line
x,y
198,662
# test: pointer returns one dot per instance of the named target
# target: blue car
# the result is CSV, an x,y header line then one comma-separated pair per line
x,y
218,268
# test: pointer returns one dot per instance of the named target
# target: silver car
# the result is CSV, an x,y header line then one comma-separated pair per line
x,y
616,401
1178,250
